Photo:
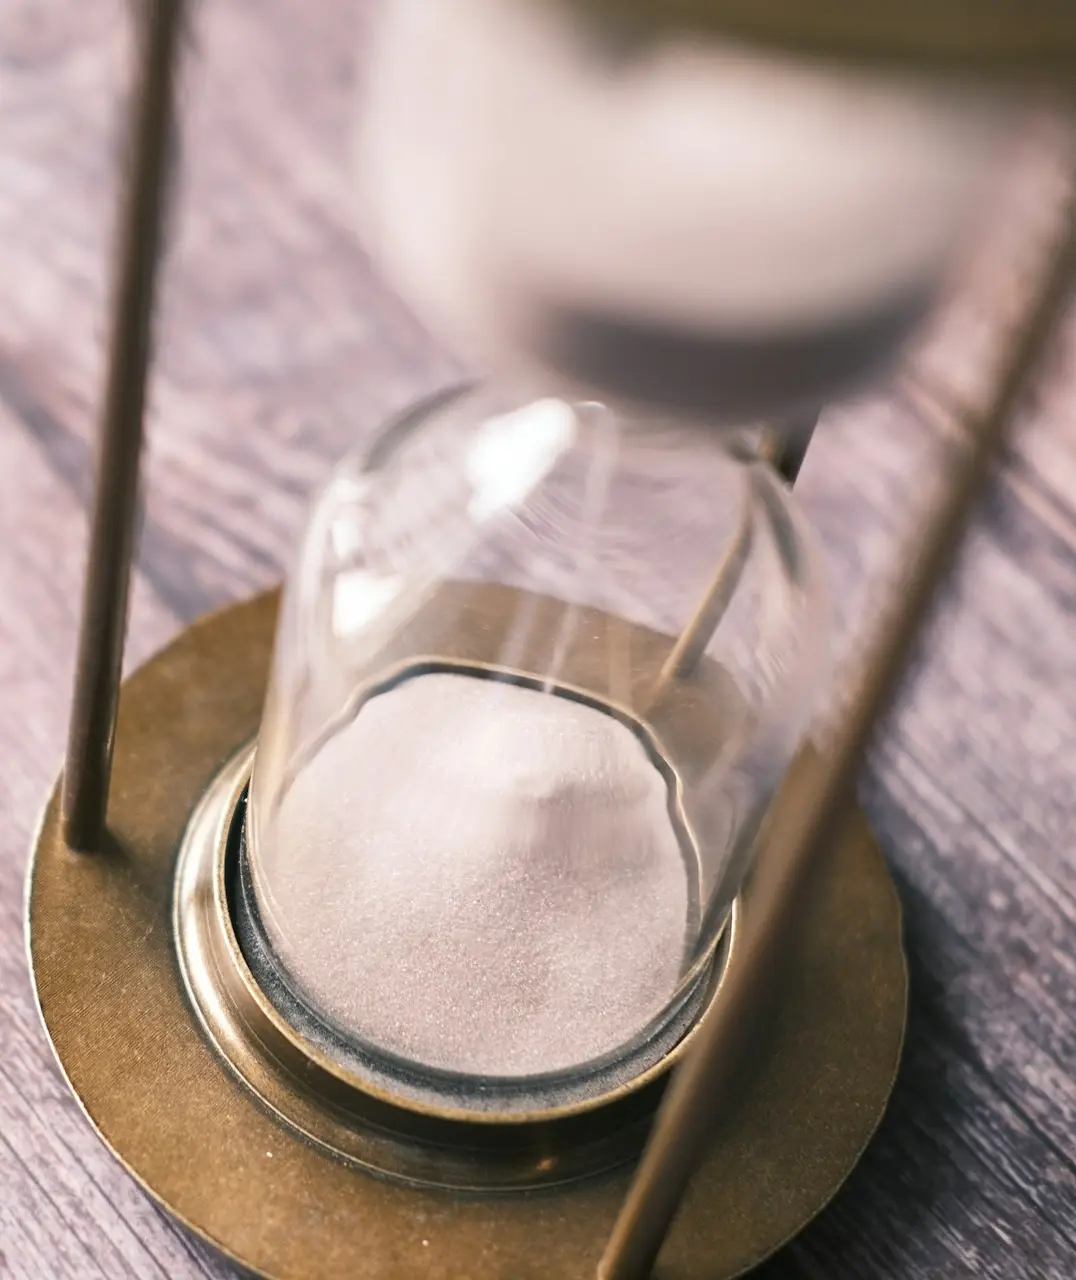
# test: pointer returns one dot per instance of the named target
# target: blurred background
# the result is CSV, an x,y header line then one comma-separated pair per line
x,y
278,349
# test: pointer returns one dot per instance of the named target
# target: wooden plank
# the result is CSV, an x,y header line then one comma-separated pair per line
x,y
273,320
67,1208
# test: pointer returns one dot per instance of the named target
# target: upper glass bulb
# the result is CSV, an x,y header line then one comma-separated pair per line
x,y
538,671
668,221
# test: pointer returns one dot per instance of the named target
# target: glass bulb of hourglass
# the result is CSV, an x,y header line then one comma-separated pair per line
x,y
672,222
499,812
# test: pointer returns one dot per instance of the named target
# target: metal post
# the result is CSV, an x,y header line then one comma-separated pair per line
x,y
809,810
785,448
115,507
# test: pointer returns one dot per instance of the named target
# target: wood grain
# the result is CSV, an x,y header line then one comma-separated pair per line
x,y
278,349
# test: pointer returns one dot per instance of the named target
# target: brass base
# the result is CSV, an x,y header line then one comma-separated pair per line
x,y
112,997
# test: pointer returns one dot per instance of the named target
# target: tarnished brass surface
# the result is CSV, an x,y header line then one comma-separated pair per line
x,y
113,1002
1033,39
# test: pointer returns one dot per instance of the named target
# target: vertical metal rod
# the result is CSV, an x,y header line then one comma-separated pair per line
x,y
691,645
785,448
115,507
808,812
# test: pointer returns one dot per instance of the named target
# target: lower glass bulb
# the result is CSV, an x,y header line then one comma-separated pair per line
x,y
539,670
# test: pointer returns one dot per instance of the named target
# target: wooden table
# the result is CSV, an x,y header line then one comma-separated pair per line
x,y
278,350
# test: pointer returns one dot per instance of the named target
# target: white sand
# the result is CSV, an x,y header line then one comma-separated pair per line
x,y
480,877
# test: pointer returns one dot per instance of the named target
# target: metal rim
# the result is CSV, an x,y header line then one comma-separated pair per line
x,y
345,1113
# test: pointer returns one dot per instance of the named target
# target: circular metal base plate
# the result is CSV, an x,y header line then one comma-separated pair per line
x,y
112,999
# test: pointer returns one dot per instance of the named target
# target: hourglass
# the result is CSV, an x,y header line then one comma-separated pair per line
x,y
416,884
